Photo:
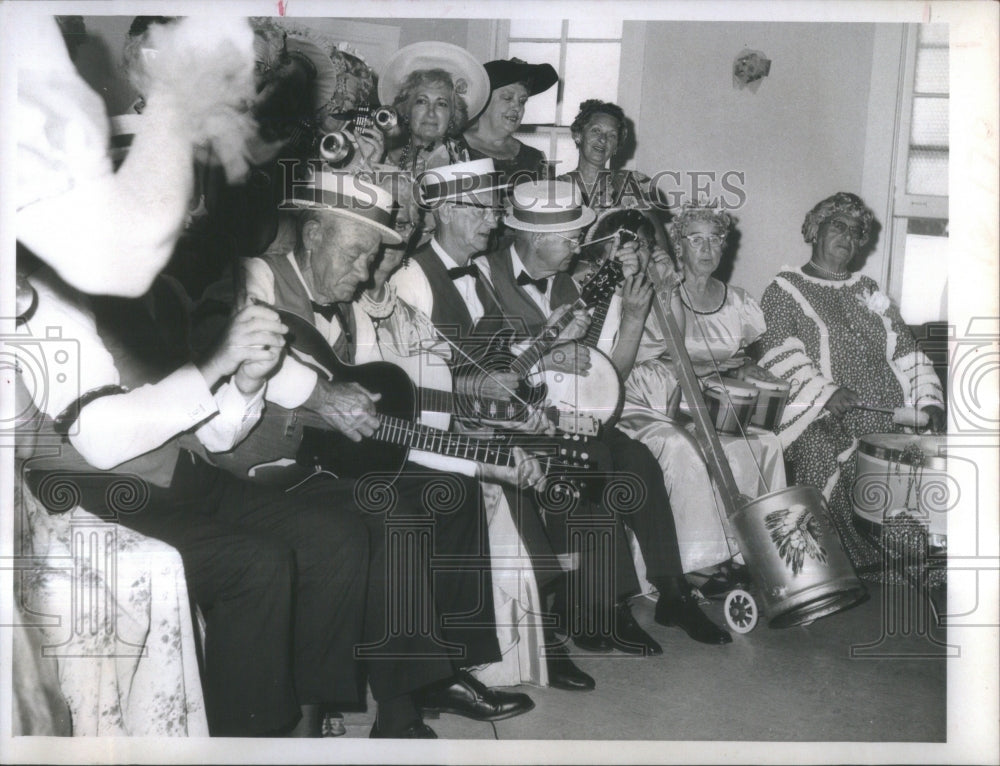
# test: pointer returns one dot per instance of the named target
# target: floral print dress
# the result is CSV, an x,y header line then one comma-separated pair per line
x,y
825,334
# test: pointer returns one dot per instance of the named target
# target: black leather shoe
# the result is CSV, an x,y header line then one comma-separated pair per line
x,y
466,696
632,639
683,612
596,643
416,730
563,674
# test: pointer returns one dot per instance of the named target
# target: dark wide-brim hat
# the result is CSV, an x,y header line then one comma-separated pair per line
x,y
538,77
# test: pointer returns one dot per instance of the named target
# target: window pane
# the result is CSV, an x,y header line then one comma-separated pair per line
x,y
536,28
933,34
595,75
927,172
595,27
930,122
539,139
540,109
566,154
925,279
932,71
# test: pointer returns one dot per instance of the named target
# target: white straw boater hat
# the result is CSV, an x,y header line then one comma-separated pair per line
x,y
349,196
547,206
471,81
462,180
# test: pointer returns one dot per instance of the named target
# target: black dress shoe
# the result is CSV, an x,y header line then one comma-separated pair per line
x,y
683,612
599,644
563,674
632,639
467,697
416,730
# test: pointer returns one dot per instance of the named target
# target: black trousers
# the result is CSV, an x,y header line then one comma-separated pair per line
x,y
281,579
634,498
430,544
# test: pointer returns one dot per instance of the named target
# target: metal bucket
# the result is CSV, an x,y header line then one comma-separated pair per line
x,y
795,557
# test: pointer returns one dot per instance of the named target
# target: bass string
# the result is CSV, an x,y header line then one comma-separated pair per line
x,y
725,391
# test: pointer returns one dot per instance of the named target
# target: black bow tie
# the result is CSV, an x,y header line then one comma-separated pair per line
x,y
463,271
540,284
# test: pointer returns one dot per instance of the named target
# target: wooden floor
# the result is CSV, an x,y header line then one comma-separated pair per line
x,y
841,678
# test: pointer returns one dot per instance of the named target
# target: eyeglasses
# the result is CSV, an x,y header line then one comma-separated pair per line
x,y
843,227
698,241
487,211
577,240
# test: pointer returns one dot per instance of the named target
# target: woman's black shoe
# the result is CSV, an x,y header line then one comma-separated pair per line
x,y
683,612
563,674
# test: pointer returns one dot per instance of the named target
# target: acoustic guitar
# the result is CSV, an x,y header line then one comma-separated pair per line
x,y
287,446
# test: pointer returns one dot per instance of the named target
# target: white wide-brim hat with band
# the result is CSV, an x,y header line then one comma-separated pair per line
x,y
347,195
547,206
459,181
471,81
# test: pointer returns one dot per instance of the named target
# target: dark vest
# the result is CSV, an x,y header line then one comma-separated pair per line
x,y
514,299
290,293
450,315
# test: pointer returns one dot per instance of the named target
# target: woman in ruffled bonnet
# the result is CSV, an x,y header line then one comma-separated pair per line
x,y
842,345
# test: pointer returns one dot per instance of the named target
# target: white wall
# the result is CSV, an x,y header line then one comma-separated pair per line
x,y
798,139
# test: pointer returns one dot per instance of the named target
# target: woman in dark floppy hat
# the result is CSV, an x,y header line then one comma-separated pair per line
x,y
512,83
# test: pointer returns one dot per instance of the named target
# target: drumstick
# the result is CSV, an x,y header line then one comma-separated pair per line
x,y
903,416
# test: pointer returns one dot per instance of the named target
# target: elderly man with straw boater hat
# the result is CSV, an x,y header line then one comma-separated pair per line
x,y
443,282
530,277
342,222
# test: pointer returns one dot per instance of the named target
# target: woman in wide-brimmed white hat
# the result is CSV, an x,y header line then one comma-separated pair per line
x,y
434,87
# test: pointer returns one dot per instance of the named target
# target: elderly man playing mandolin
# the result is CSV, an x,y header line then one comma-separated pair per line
x,y
532,282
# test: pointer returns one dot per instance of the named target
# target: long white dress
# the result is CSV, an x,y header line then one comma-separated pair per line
x,y
757,464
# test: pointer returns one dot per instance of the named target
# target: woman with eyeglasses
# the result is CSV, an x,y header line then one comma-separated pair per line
x,y
844,348
725,319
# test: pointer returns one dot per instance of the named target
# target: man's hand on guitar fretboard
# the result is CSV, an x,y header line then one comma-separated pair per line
x,y
347,407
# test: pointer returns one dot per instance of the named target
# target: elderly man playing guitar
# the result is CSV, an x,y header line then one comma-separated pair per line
x,y
342,222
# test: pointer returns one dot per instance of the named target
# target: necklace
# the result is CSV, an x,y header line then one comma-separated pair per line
x,y
725,294
833,274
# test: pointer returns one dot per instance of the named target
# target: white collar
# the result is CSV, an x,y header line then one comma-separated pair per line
x,y
447,260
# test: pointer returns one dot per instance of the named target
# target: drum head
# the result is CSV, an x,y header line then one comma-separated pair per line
x,y
740,392
927,450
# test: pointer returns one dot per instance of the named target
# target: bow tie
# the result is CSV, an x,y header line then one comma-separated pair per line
x,y
463,271
540,284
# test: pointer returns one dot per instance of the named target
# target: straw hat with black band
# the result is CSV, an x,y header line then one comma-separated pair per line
x,y
547,206
461,182
348,196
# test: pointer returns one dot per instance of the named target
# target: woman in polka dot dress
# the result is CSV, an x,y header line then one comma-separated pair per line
x,y
841,344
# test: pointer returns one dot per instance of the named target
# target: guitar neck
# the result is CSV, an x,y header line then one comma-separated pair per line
x,y
436,400
705,433
406,434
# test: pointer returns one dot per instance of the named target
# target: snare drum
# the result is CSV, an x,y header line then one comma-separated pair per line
x,y
770,403
904,474
730,405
